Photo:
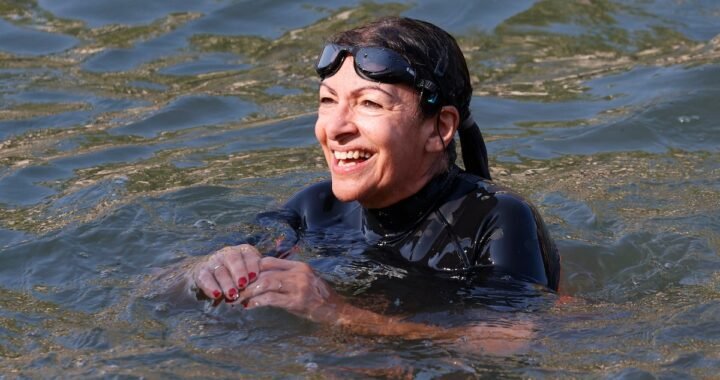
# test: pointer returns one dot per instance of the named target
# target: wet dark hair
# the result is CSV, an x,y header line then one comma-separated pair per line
x,y
435,56
433,53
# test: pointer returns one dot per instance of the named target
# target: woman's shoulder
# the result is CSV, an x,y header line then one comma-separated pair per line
x,y
516,229
477,192
318,207
311,193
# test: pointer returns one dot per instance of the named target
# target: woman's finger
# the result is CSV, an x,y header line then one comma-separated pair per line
x,y
269,282
252,261
205,281
270,263
233,260
242,261
266,299
223,277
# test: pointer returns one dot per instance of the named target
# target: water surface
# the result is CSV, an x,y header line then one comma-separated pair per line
x,y
138,136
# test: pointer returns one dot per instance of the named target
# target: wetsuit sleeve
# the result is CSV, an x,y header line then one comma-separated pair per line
x,y
281,234
308,208
515,240
285,224
317,207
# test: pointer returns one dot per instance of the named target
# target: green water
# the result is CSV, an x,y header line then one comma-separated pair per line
x,y
135,135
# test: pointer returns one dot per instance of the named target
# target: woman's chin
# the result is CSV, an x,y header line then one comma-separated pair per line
x,y
347,191
343,194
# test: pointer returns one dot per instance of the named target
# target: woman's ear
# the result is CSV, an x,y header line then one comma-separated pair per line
x,y
446,123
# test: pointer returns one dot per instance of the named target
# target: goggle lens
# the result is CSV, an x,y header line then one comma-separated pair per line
x,y
375,63
329,59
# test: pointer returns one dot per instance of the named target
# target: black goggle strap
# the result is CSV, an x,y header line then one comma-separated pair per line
x,y
428,91
438,74
474,151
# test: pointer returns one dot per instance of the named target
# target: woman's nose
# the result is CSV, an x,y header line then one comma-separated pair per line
x,y
340,123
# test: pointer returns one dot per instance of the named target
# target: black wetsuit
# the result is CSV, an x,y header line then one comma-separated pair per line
x,y
457,223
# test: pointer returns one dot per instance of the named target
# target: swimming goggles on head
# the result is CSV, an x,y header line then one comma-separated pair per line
x,y
373,63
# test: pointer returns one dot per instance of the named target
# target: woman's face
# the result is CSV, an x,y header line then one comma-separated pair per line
x,y
373,137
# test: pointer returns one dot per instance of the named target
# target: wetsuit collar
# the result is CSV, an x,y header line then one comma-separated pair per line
x,y
386,224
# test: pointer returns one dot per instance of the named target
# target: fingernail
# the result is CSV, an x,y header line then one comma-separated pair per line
x,y
243,281
244,303
252,275
233,294
217,294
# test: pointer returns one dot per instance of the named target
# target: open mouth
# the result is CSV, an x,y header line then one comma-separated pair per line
x,y
351,158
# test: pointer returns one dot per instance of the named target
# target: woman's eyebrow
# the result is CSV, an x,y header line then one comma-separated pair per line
x,y
332,91
363,88
375,87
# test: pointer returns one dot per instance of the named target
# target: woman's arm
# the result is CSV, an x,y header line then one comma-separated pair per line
x,y
240,275
295,287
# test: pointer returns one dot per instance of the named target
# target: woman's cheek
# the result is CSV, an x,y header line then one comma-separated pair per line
x,y
320,132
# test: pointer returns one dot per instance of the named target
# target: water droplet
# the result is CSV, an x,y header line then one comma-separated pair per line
x,y
120,180
163,307
312,366
687,119
497,234
204,223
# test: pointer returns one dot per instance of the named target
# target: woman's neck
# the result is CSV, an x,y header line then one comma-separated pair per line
x,y
403,215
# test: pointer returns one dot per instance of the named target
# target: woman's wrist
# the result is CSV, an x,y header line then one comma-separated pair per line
x,y
366,322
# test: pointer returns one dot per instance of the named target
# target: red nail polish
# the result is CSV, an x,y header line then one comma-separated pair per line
x,y
242,282
244,303
216,294
232,293
252,275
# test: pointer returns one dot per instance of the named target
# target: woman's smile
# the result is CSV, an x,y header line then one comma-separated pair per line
x,y
350,162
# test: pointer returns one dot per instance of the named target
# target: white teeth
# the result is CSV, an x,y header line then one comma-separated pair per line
x,y
353,154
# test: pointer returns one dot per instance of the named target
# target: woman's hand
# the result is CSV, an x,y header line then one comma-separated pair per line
x,y
227,271
293,286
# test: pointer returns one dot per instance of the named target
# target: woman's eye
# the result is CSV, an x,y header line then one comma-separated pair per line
x,y
326,100
371,104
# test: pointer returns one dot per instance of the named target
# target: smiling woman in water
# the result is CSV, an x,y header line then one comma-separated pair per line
x,y
392,96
